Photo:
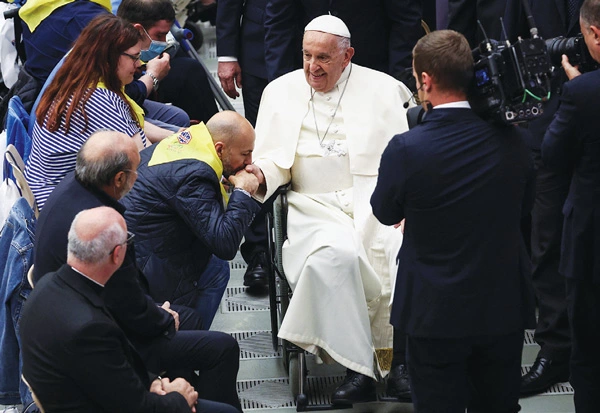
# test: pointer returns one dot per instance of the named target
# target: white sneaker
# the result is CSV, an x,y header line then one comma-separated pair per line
x,y
10,409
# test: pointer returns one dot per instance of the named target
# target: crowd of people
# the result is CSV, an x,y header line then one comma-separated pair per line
x,y
418,256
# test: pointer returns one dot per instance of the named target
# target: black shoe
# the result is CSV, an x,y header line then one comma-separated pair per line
x,y
543,374
356,388
256,276
398,384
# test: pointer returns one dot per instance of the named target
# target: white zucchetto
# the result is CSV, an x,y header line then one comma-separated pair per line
x,y
328,24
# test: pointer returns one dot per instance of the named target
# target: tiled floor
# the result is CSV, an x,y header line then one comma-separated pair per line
x,y
263,384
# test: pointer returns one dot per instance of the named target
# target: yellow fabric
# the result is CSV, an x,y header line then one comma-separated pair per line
x,y
35,11
193,143
139,112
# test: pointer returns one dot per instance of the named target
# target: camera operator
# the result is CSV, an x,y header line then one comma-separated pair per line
x,y
462,185
553,19
572,144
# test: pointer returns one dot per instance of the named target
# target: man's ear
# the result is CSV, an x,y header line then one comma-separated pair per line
x,y
120,179
596,31
139,27
425,81
219,148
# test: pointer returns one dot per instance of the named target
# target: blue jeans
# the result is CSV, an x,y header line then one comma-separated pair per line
x,y
16,252
210,288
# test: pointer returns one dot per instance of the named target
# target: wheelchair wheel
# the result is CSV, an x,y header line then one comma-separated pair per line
x,y
294,374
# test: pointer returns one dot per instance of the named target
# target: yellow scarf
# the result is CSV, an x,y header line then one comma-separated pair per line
x,y
139,112
193,143
34,11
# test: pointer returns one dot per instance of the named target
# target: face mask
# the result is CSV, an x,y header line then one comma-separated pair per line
x,y
155,49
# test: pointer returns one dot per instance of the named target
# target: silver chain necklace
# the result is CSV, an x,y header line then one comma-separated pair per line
x,y
334,112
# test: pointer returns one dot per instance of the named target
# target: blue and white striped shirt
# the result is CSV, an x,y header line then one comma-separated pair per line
x,y
53,154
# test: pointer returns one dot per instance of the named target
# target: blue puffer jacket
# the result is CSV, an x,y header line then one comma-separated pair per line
x,y
177,214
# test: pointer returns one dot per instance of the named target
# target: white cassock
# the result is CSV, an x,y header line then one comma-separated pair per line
x,y
338,258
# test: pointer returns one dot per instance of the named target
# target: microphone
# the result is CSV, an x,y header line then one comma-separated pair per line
x,y
405,104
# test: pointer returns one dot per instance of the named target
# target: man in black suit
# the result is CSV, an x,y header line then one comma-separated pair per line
x,y
241,51
462,186
383,32
167,340
464,14
572,143
75,356
553,18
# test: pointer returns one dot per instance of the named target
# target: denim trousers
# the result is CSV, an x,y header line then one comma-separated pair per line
x,y
16,252
210,287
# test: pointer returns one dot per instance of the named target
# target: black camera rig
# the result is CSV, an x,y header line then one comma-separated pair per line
x,y
511,81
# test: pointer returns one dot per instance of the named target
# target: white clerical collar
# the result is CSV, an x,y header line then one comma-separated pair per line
x,y
344,75
463,104
94,281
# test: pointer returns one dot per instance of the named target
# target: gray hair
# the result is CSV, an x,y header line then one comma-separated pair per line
x,y
343,43
98,249
590,12
97,171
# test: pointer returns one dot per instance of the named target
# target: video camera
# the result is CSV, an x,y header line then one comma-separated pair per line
x,y
575,49
512,81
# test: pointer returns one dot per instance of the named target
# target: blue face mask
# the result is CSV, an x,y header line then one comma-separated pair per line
x,y
155,49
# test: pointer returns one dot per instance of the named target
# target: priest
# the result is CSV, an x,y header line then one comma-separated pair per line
x,y
323,128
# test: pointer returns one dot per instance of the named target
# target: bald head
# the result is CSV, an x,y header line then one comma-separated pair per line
x,y
233,137
227,126
93,234
104,155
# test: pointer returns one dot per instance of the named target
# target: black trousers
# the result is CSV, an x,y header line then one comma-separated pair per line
x,y
480,374
583,298
214,354
552,331
252,90
186,86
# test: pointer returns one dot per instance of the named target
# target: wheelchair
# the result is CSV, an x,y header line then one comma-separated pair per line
x,y
280,293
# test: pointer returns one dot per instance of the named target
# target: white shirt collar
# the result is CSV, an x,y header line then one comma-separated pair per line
x,y
94,281
463,104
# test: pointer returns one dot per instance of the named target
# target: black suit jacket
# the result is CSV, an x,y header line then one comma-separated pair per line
x,y
76,358
572,143
125,294
383,32
463,186
551,21
241,33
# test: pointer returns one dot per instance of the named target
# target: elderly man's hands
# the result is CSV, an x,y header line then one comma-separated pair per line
x,y
182,387
230,74
245,180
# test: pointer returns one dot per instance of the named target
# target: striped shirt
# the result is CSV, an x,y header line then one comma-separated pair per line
x,y
53,154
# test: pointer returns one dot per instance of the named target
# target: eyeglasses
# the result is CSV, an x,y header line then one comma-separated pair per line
x,y
128,241
135,57
130,170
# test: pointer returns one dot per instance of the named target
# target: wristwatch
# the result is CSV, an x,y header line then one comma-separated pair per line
x,y
154,79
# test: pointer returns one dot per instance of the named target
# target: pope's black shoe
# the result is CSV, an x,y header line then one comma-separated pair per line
x,y
356,388
256,276
398,383
543,374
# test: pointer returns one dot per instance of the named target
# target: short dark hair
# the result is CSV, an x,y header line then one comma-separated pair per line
x,y
446,56
590,12
146,12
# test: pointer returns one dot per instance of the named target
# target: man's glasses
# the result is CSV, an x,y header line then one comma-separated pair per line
x,y
135,57
128,241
